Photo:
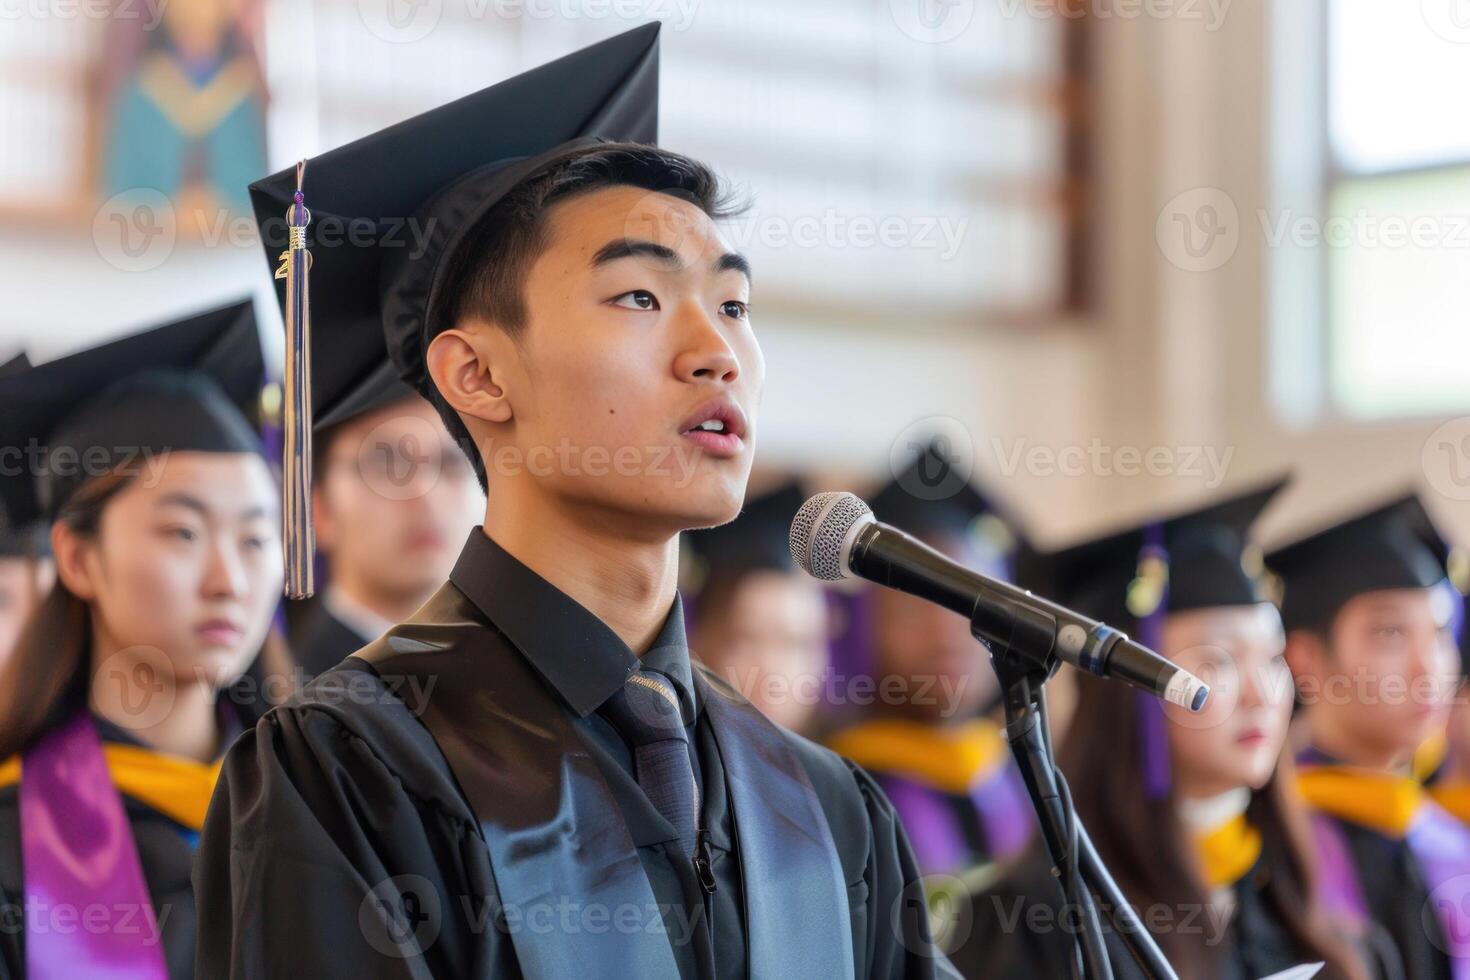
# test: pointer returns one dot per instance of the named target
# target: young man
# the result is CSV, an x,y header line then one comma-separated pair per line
x,y
393,498
527,778
946,767
1366,605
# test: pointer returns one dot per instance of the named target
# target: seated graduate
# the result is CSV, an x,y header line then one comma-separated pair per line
x,y
528,777
1194,815
392,497
1366,604
759,623
945,766
164,522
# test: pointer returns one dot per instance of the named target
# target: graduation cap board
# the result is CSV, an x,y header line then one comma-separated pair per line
x,y
383,242
1391,546
189,385
931,498
17,541
1191,560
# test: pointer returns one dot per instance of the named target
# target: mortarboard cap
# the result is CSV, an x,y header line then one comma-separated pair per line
x,y
393,223
192,384
930,498
1192,560
389,211
1391,546
15,365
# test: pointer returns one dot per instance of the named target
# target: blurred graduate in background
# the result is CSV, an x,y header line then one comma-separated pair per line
x,y
1194,815
759,622
1369,609
164,523
393,499
946,768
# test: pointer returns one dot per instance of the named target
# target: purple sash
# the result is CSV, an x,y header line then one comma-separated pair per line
x,y
1441,848
933,826
1441,845
88,912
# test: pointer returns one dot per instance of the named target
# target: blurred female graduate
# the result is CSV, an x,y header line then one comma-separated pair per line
x,y
1193,814
164,523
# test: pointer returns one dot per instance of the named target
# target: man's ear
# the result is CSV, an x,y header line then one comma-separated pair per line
x,y
70,551
469,366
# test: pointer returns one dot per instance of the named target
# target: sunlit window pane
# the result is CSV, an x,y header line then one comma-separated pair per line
x,y
1399,251
1400,77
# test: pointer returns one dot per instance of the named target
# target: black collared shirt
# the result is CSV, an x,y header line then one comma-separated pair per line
x,y
585,663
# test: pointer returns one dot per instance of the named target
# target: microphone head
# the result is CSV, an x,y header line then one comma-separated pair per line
x,y
823,530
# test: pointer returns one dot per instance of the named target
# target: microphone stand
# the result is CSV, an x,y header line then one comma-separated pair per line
x,y
1085,881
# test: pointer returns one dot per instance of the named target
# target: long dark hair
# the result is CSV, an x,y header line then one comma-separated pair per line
x,y
47,673
1144,843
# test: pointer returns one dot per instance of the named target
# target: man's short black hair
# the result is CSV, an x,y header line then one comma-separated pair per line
x,y
488,274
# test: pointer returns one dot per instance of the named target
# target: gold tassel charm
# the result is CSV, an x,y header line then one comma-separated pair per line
x,y
300,536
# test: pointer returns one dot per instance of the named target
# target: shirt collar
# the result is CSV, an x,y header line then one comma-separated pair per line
x,y
573,651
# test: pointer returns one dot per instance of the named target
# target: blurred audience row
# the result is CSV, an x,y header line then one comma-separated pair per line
x,y
1313,812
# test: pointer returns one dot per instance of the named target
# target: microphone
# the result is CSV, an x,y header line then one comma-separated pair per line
x,y
835,536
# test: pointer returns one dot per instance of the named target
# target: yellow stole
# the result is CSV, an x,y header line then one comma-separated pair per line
x,y
1454,796
1228,852
1380,801
178,788
953,760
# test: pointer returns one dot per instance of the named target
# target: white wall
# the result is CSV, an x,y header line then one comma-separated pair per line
x,y
1172,358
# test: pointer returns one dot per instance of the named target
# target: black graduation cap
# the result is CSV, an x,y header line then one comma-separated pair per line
x,y
16,364
1191,560
192,384
386,227
1392,546
757,540
930,499
389,210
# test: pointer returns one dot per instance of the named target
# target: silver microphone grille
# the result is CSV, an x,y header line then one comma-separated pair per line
x,y
822,530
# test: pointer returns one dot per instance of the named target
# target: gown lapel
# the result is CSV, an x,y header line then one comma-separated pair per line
x,y
554,831
794,888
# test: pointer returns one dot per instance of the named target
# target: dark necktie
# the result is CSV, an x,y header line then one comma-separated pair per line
x,y
645,712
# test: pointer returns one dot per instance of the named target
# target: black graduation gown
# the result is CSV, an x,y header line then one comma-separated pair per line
x,y
431,808
1018,929
1401,940
165,852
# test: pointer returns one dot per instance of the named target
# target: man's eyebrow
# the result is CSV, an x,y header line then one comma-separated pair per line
x,y
733,261
623,248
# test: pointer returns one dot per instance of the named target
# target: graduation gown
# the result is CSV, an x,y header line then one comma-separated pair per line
x,y
1381,846
958,793
1019,929
164,799
443,804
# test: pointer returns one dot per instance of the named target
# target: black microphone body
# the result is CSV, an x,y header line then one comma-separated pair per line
x,y
835,534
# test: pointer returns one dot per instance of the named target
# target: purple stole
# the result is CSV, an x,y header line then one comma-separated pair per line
x,y
934,829
78,854
1440,845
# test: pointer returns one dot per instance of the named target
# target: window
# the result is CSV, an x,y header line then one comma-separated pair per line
x,y
1396,234
892,178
